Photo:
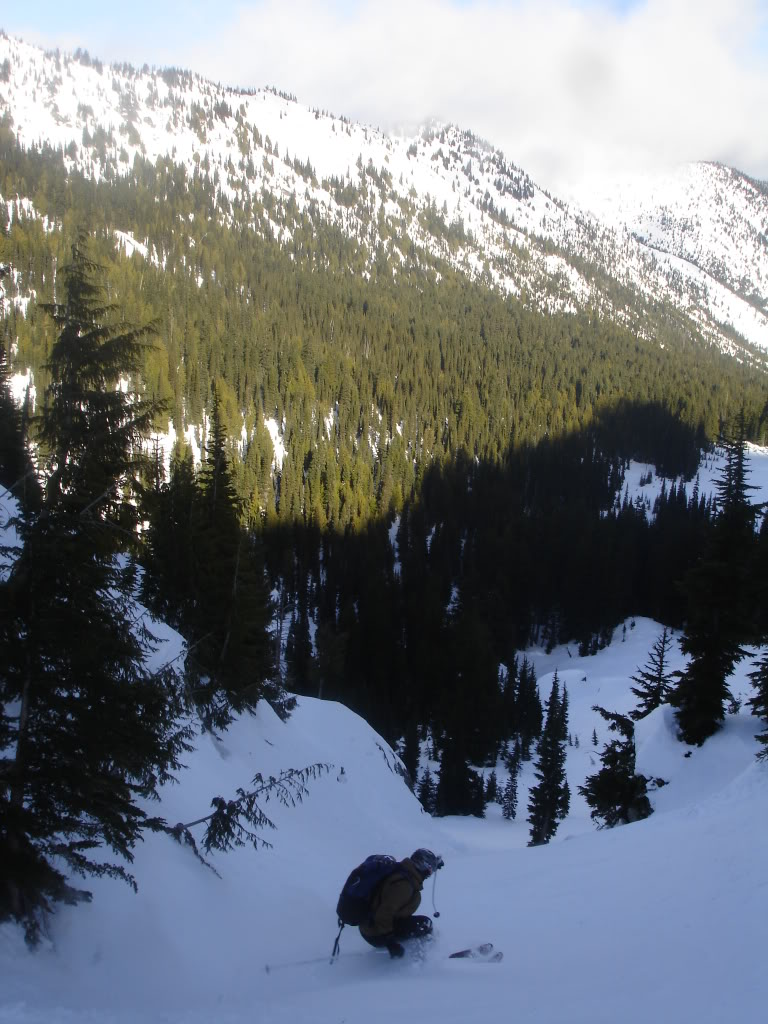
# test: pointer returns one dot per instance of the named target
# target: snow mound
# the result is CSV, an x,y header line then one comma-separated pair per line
x,y
649,922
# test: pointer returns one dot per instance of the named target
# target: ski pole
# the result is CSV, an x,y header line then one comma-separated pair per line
x,y
435,911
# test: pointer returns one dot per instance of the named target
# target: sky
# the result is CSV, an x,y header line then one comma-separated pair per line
x,y
567,88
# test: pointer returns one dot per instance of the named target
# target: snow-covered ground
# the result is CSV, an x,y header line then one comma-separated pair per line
x,y
663,920
659,921
643,484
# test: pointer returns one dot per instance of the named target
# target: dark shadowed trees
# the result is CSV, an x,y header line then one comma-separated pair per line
x,y
88,734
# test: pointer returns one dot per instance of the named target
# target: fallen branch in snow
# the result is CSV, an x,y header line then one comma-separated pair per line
x,y
236,822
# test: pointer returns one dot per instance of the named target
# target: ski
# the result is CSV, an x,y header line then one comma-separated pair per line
x,y
473,952
484,954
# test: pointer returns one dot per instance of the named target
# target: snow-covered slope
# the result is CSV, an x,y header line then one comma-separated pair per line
x,y
642,485
451,194
661,920
707,214
700,217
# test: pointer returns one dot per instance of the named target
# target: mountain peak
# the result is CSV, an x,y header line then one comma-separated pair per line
x,y
693,238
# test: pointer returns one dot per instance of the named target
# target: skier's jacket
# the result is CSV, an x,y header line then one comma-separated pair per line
x,y
399,895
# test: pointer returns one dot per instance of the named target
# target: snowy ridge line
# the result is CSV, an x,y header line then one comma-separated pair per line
x,y
452,194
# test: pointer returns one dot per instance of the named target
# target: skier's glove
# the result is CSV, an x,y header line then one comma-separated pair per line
x,y
395,950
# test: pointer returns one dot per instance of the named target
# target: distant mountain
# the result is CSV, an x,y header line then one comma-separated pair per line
x,y
707,217
690,248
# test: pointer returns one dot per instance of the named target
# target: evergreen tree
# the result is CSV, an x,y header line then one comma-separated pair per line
x,y
509,799
459,788
300,665
759,703
563,713
13,461
654,681
411,752
720,605
168,586
230,654
616,793
529,710
550,798
86,732
91,428
426,792
509,710
492,789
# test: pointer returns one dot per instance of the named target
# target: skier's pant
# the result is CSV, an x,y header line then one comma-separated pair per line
x,y
415,927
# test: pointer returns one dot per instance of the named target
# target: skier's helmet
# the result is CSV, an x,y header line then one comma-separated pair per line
x,y
426,862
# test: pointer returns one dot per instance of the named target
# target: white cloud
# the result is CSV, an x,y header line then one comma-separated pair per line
x,y
564,87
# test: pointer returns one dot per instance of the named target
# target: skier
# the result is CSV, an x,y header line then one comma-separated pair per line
x,y
392,916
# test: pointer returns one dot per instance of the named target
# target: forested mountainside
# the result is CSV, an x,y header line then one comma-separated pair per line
x,y
451,481
392,470
368,376
444,193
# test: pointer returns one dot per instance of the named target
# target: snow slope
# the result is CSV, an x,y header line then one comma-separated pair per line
x,y
705,222
642,484
662,920
658,921
707,214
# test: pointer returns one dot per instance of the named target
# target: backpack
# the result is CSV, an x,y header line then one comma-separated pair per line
x,y
356,897
354,906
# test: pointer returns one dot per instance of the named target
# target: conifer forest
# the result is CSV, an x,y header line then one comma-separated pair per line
x,y
451,491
